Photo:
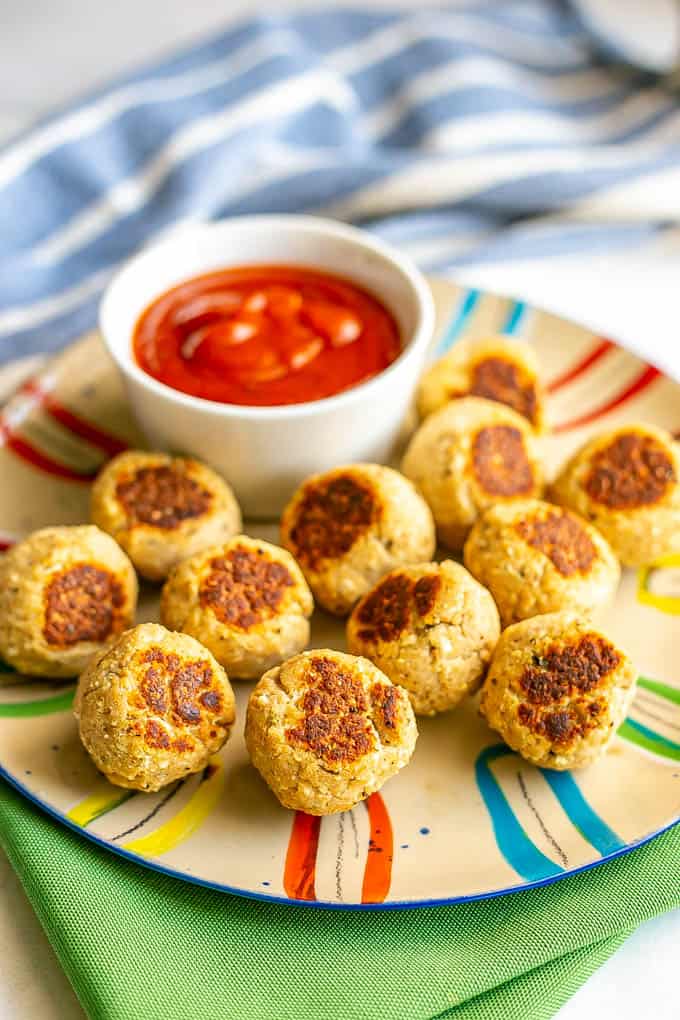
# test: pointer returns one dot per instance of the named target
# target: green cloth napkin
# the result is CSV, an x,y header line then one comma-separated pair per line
x,y
139,946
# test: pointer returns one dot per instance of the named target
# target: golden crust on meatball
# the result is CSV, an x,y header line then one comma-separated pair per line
x,y
536,558
470,455
247,601
153,708
431,628
325,730
161,509
627,483
350,526
64,593
557,690
495,368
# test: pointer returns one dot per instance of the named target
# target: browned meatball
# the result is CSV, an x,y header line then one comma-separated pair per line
x,y
162,509
431,628
538,558
468,456
153,708
64,593
246,601
557,690
349,526
326,730
496,368
627,483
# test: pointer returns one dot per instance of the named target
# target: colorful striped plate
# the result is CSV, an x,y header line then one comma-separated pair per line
x,y
467,818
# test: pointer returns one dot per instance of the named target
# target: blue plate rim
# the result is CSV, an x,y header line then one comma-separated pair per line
x,y
182,876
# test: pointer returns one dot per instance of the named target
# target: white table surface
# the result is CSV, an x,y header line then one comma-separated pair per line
x,y
50,51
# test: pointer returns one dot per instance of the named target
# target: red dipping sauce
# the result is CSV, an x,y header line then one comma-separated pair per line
x,y
265,335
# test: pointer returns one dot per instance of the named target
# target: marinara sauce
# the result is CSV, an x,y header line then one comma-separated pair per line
x,y
265,335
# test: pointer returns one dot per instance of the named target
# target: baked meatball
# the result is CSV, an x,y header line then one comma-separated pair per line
x,y
431,628
246,601
153,708
495,368
348,527
64,593
161,509
470,455
557,690
627,482
325,730
537,558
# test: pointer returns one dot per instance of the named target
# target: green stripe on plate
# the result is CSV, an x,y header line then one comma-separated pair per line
x,y
641,735
663,690
61,702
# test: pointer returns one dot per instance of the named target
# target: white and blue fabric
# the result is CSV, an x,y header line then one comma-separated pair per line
x,y
483,132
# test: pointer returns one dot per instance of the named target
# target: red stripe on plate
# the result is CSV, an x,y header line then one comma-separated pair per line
x,y
110,445
646,377
80,427
378,872
23,449
581,366
299,875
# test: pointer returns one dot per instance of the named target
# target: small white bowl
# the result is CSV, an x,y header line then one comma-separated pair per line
x,y
265,452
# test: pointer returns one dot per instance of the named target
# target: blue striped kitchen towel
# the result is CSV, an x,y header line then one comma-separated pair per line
x,y
482,131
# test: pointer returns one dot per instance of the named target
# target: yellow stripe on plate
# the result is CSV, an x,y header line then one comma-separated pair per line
x,y
97,804
665,603
186,821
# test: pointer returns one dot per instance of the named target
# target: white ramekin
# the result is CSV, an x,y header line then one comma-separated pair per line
x,y
264,452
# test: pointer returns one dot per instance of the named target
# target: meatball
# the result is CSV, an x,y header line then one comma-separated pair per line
x,y
431,628
161,509
627,483
557,690
495,368
537,558
348,527
325,730
64,593
246,601
470,455
153,708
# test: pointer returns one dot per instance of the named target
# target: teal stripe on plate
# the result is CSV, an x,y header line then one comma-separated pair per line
x,y
519,851
515,319
466,309
580,813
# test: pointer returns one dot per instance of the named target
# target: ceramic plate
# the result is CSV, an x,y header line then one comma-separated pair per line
x,y
467,818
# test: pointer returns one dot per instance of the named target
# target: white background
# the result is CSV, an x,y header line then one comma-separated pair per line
x,y
52,50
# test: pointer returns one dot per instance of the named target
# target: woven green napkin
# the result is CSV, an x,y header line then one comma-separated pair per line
x,y
136,944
